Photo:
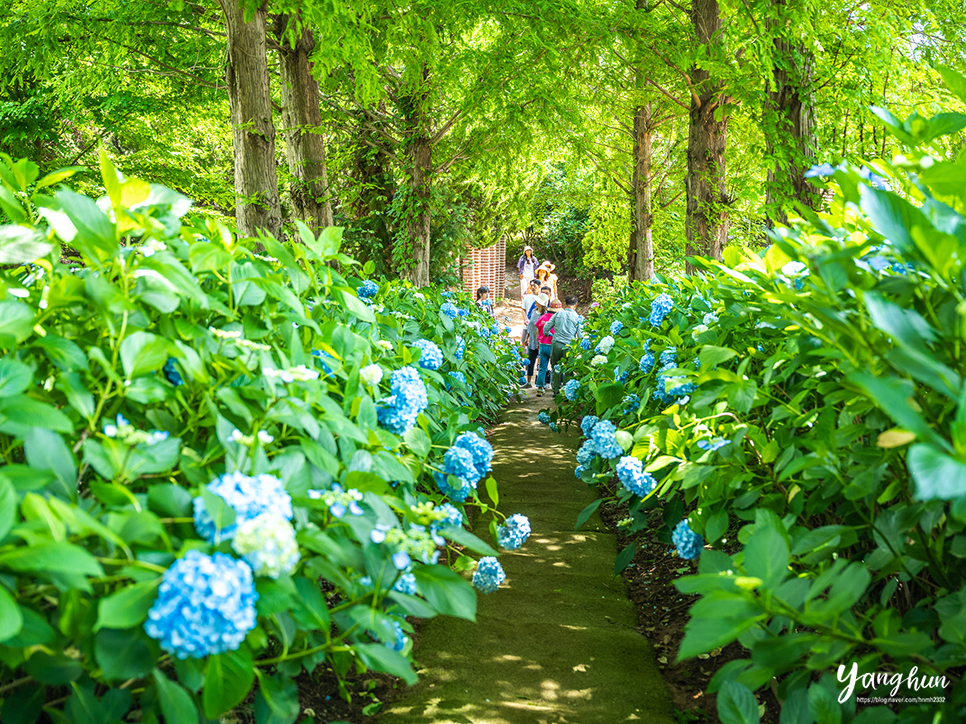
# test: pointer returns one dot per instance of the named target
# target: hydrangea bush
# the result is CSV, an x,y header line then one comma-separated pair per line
x,y
797,421
220,458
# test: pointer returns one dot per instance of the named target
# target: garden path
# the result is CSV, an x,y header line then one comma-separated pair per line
x,y
557,643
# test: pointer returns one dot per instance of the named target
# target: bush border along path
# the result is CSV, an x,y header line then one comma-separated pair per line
x,y
557,643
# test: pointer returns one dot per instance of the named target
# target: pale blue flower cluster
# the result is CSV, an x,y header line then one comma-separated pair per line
x,y
480,449
469,460
585,343
543,418
586,453
488,575
406,584
616,327
631,403
460,347
621,375
205,606
453,519
587,424
431,356
368,290
660,308
713,444
669,358
514,532
604,439
339,501
631,474
673,390
553,427
398,412
647,362
458,376
604,346
401,638
710,318
268,544
449,309
248,496
571,389
688,543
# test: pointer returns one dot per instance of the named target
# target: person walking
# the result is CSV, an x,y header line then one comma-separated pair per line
x,y
527,266
548,278
546,340
563,327
531,338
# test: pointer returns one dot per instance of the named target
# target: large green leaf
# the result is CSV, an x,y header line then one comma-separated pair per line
x,y
937,475
766,556
15,377
143,352
8,506
381,658
737,705
19,244
176,703
11,619
893,395
711,356
51,558
46,450
228,680
127,606
124,654
277,700
468,540
447,591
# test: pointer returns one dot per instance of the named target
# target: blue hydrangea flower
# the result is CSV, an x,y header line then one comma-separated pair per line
x,y
544,418
449,309
669,358
647,363
579,471
399,643
460,347
268,544
630,472
368,290
660,308
710,318
171,373
458,461
688,543
322,357
553,427
431,356
616,327
586,453
587,424
605,440
571,389
822,169
398,412
406,584
585,343
495,328
248,496
205,606
621,376
453,519
631,403
605,345
522,381
514,532
458,494
479,448
458,376
714,444
488,575
460,312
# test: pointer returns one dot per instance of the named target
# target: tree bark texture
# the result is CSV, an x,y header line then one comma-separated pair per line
x,y
415,249
304,144
789,125
253,130
640,263
706,221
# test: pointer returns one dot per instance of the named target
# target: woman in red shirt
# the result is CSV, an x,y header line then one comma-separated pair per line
x,y
543,374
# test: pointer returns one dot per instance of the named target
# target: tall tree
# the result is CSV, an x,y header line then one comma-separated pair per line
x,y
302,123
253,127
706,223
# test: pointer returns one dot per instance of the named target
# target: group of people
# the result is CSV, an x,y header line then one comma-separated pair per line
x,y
550,325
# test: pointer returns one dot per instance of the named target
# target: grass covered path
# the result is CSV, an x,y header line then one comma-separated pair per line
x,y
556,644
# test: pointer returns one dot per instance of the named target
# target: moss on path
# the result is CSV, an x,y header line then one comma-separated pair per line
x,y
557,643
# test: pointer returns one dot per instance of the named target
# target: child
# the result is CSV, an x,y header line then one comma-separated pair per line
x,y
483,300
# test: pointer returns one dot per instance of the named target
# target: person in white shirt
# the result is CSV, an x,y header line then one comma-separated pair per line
x,y
527,266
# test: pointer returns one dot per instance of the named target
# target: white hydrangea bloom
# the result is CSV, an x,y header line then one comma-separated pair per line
x,y
371,374
268,544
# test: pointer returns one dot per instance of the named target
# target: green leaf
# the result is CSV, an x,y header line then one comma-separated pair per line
x,y
624,558
823,706
124,654
176,703
128,606
222,514
15,377
945,178
228,680
16,319
51,558
277,700
96,237
741,395
447,591
766,556
893,395
712,356
143,352
937,475
355,306
53,670
381,658
418,441
716,525
19,245
468,540
737,705
493,490
46,450
312,603
8,506
63,353
205,256
608,395
954,81
11,619
585,514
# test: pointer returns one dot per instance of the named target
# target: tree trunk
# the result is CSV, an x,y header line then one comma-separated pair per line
x,y
789,124
414,254
302,119
253,130
706,222
640,265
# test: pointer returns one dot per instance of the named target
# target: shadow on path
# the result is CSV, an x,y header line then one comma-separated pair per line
x,y
556,644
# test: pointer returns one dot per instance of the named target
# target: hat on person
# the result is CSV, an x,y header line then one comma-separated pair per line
x,y
555,304
542,299
547,267
528,248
